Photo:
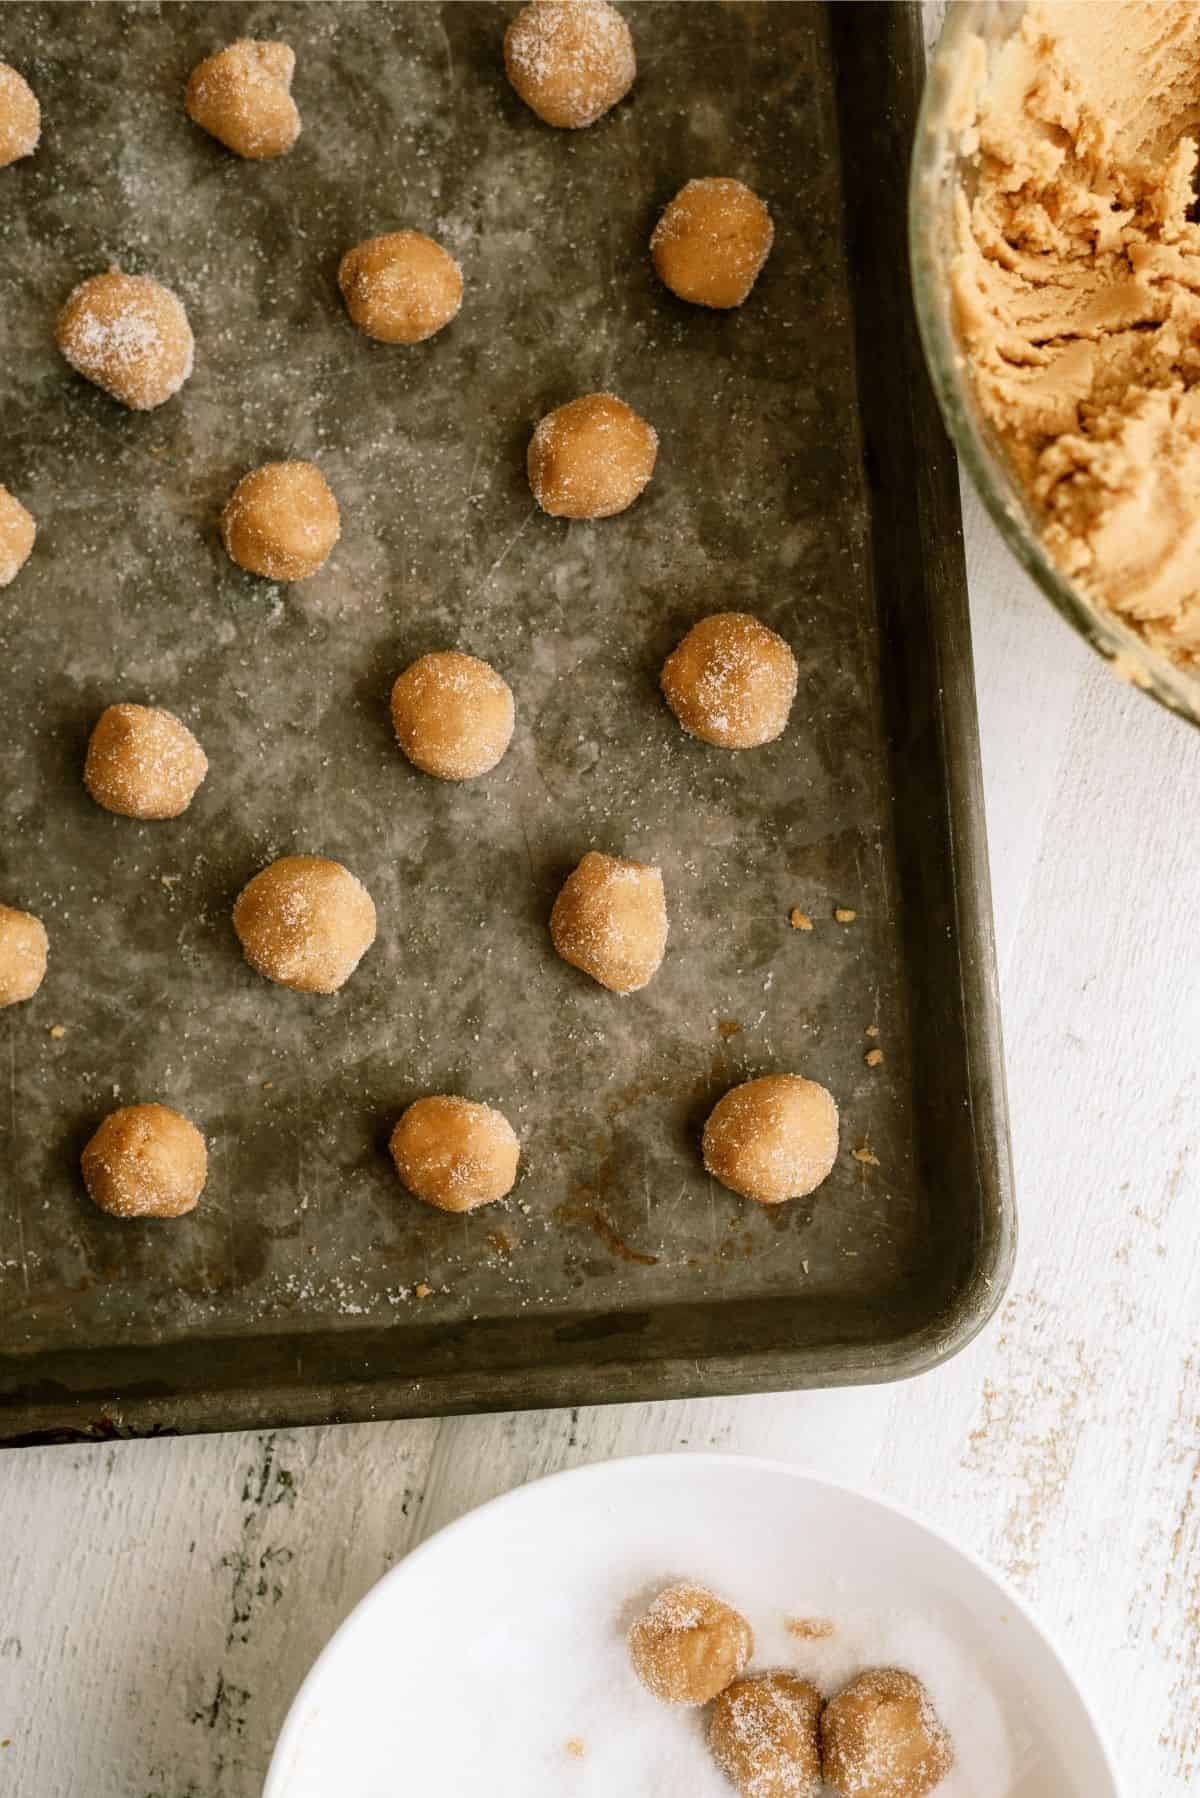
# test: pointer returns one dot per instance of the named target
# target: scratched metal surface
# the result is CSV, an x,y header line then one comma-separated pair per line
x,y
757,503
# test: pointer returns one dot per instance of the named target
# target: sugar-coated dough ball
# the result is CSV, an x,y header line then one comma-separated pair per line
x,y
689,1645
305,922
145,1161
710,244
570,60
452,714
455,1153
281,521
764,1736
130,335
772,1139
24,947
400,288
20,116
882,1738
610,919
591,458
243,96
143,762
731,681
17,532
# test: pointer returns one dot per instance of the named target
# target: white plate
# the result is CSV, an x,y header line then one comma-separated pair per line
x,y
471,1667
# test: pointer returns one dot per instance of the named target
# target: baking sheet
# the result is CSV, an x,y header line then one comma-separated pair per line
x,y
617,1268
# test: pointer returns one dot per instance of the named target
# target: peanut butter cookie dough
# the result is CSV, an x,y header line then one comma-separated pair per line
x,y
772,1139
24,948
711,242
455,1153
569,60
731,681
590,458
129,335
145,1161
1077,294
242,96
17,532
281,521
453,715
20,116
882,1738
305,922
610,921
401,287
764,1736
143,762
689,1645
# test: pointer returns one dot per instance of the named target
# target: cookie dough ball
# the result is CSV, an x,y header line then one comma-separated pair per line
x,y
17,532
569,60
772,1139
243,97
24,947
281,521
731,681
591,458
689,1645
145,1161
400,288
453,715
130,336
143,762
710,244
454,1153
305,922
764,1736
882,1738
20,117
610,919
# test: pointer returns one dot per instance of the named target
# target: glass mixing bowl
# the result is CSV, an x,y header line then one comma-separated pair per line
x,y
937,167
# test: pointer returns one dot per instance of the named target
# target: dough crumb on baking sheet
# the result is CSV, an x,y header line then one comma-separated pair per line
x,y
873,1057
799,920
844,914
866,1155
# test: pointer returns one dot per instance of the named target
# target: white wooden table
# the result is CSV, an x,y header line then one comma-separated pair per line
x,y
160,1601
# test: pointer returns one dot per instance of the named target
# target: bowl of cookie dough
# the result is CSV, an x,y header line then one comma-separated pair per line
x,y
698,1624
1056,264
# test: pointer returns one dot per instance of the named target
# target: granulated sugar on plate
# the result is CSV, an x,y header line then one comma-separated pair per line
x,y
533,1704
